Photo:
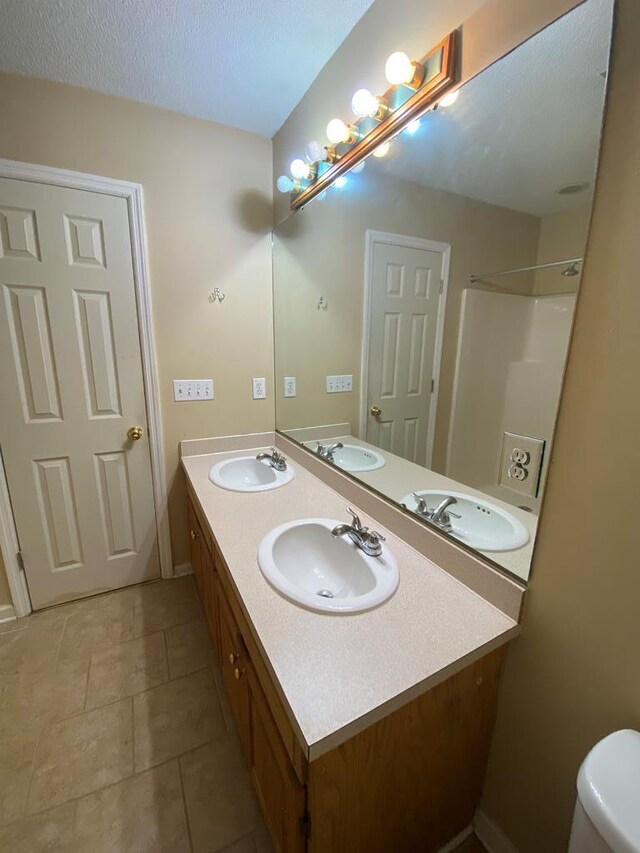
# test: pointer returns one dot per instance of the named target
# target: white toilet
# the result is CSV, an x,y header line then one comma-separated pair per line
x,y
607,814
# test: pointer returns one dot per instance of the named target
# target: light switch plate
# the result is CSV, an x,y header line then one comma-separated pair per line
x,y
289,386
192,389
259,388
339,384
521,463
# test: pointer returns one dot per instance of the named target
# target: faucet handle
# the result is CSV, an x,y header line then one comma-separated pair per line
x,y
356,519
376,537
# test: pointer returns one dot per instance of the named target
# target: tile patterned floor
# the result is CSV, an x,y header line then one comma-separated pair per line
x,y
114,733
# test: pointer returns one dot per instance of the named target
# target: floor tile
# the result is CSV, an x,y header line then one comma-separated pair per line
x,y
13,625
221,805
81,754
126,669
29,699
49,831
189,648
143,814
176,717
244,845
32,651
97,625
17,754
164,604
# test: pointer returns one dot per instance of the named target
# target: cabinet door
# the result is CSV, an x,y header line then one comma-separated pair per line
x,y
233,661
282,797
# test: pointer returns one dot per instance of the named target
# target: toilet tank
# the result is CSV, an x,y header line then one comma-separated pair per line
x,y
607,814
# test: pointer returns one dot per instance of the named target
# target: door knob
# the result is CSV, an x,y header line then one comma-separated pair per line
x,y
134,433
375,411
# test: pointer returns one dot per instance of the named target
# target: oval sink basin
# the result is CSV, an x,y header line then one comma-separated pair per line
x,y
354,458
481,525
248,474
303,561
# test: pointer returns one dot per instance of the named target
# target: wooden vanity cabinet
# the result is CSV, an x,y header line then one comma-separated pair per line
x,y
406,784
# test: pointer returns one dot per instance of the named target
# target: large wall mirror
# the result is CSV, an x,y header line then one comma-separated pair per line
x,y
423,308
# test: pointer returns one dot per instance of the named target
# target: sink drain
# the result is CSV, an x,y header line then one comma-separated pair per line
x,y
325,593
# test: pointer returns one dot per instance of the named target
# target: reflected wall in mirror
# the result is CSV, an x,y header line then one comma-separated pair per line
x,y
423,309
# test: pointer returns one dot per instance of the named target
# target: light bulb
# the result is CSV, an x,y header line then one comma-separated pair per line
x,y
364,103
400,69
315,151
382,150
340,182
359,168
299,169
413,126
449,98
285,184
337,131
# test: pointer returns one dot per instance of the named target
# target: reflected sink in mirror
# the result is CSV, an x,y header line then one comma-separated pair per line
x,y
482,525
307,565
248,474
352,457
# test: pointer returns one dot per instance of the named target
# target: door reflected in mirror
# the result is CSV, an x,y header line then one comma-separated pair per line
x,y
424,307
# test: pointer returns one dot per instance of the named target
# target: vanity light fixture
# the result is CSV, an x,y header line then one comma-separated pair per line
x,y
379,119
400,70
449,98
382,150
365,104
338,131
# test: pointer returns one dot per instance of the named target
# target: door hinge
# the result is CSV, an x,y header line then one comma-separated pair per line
x,y
305,825
433,385
20,561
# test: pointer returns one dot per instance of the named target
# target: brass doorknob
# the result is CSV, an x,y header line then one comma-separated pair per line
x,y
375,411
134,433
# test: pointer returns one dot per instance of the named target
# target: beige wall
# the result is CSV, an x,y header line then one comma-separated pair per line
x,y
563,235
207,193
321,252
573,676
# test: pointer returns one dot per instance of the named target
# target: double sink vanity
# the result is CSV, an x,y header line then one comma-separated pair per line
x,y
362,677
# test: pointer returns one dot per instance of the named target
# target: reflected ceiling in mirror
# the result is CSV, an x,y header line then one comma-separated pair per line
x,y
423,308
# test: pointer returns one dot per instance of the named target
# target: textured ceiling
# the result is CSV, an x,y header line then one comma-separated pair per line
x,y
241,63
525,127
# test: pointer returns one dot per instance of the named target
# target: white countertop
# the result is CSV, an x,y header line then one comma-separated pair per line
x,y
337,674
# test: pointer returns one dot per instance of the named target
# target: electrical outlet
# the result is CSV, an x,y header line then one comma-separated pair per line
x,y
521,463
339,384
192,389
289,386
259,388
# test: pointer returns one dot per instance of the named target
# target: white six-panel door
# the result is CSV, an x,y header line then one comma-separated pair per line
x,y
71,387
404,299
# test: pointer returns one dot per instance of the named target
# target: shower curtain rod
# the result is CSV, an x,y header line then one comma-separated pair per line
x,y
475,278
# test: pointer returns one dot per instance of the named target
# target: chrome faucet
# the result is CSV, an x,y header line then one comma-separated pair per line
x,y
275,459
326,451
367,540
441,515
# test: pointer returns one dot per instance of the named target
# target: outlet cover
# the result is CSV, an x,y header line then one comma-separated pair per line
x,y
259,388
521,463
289,386
339,384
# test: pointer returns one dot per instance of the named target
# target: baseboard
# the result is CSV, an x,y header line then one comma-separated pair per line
x,y
182,569
491,835
452,845
7,613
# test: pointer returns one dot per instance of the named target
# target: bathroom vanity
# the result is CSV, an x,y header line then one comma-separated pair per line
x,y
364,731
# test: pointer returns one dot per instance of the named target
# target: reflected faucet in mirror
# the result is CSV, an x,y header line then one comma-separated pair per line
x,y
326,451
440,515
